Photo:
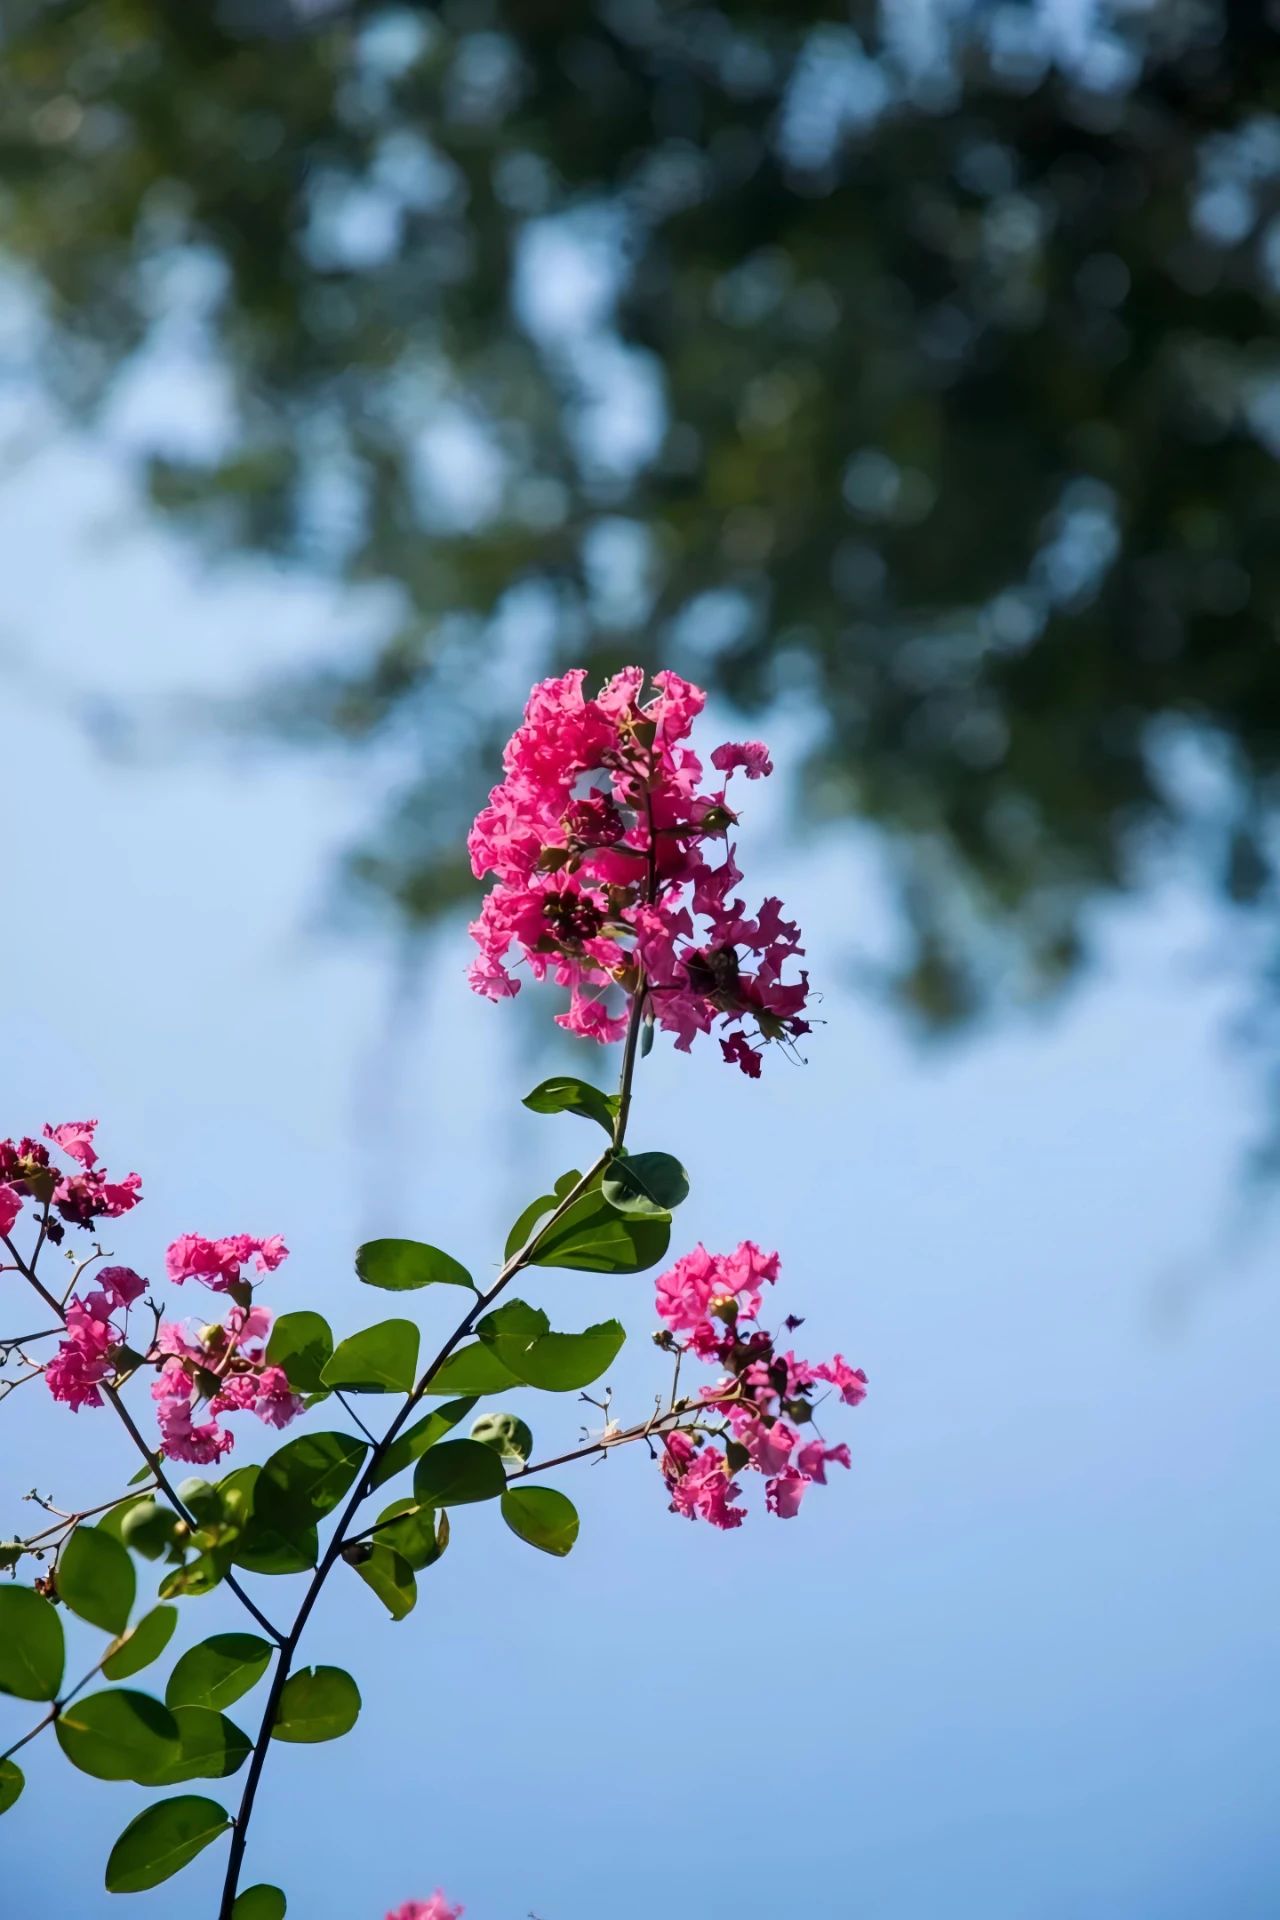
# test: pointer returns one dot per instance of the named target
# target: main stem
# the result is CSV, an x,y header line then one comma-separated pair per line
x,y
338,1539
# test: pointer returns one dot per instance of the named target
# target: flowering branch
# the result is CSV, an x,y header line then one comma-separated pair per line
x,y
614,876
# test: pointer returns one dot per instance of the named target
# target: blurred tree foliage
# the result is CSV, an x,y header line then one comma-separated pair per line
x,y
912,370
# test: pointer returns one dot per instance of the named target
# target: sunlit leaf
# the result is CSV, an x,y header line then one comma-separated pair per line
x,y
118,1735
457,1472
142,1644
318,1703
400,1265
96,1579
544,1517
162,1840
32,1650
565,1094
218,1671
381,1359
302,1344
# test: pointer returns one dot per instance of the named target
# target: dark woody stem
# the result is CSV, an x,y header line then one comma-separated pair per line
x,y
341,1535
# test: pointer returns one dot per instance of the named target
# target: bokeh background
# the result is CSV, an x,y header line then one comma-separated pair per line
x,y
910,377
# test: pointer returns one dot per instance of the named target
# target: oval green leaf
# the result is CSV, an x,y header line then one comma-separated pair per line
x,y
318,1703
119,1735
565,1094
302,1344
212,1748
645,1183
381,1359
162,1840
260,1903
96,1579
542,1516
12,1781
113,1520
474,1370
303,1482
457,1472
142,1644
596,1238
218,1671
401,1265
416,1533
555,1362
32,1649
414,1441
388,1575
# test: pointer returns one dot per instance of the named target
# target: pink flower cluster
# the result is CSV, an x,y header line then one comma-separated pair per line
x,y
220,1263
26,1171
436,1908
710,1303
85,1358
598,836
223,1370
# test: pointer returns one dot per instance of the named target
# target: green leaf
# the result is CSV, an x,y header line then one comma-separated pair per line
x,y
555,1362
473,1369
12,1781
113,1519
142,1644
119,1735
162,1840
213,1747
542,1516
415,1536
197,1576
457,1472
645,1183
299,1485
32,1650
318,1703
147,1527
544,1204
218,1671
390,1576
382,1359
262,1548
301,1343
260,1903
596,1237
414,1441
96,1579
401,1265
509,1436
563,1094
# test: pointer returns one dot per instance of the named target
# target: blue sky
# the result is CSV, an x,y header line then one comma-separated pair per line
x,y
1022,1661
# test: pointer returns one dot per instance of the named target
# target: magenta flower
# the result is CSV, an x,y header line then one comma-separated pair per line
x,y
598,837
710,1303
220,1263
222,1370
436,1908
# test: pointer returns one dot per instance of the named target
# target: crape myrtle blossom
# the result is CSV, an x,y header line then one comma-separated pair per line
x,y
219,1263
28,1171
599,838
436,1908
85,1358
222,1370
710,1304
201,1376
